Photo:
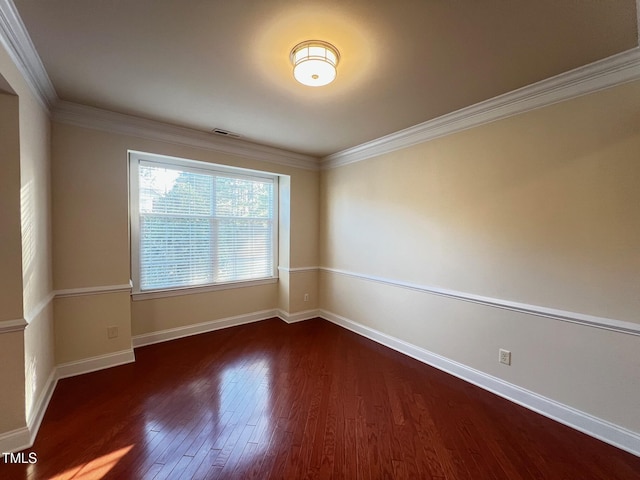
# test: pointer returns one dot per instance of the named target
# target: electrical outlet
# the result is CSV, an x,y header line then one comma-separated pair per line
x,y
112,332
504,356
306,297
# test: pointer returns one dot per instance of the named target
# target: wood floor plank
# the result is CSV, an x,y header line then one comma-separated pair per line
x,y
188,471
307,400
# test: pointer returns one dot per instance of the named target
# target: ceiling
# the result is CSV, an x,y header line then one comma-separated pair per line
x,y
208,64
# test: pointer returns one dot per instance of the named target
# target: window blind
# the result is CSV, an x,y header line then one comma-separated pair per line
x,y
199,226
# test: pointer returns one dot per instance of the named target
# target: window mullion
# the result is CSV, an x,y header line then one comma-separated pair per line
x,y
213,225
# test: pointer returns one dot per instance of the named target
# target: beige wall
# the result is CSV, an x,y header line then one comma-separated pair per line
x,y
39,359
10,238
302,244
541,208
12,400
27,357
35,195
303,283
160,314
284,242
81,325
35,200
12,404
305,197
91,241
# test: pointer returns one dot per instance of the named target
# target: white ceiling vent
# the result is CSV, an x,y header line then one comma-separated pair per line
x,y
225,133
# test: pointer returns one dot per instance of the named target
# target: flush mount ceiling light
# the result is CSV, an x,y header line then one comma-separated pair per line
x,y
314,62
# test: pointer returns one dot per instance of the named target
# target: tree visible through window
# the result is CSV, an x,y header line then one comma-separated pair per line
x,y
199,226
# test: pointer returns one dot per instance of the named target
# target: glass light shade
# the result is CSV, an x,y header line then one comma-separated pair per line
x,y
314,63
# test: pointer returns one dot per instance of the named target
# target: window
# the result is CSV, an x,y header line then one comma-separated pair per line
x,y
195,224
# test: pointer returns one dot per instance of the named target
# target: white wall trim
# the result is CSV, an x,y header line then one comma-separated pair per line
x,y
291,270
93,364
99,119
38,409
581,421
177,292
17,325
611,71
204,327
15,440
78,292
37,310
16,40
22,438
619,326
298,316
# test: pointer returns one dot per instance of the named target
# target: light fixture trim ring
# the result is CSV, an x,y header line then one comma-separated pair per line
x,y
315,43
314,62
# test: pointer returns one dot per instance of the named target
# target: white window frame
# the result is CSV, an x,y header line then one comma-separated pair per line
x,y
135,157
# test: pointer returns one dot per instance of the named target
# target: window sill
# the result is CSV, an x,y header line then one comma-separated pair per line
x,y
175,292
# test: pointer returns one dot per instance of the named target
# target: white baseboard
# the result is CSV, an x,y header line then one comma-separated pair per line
x,y
22,438
15,440
93,364
615,435
583,422
299,316
40,407
188,330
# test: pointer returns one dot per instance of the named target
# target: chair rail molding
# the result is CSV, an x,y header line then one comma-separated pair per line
x,y
291,270
98,290
17,325
619,326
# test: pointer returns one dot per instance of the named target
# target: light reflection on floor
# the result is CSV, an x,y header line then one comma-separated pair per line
x,y
246,390
238,398
95,469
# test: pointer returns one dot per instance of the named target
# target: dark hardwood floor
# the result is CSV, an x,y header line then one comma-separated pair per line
x,y
309,400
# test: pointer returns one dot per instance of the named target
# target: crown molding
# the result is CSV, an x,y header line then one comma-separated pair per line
x,y
609,72
108,121
15,39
